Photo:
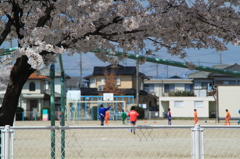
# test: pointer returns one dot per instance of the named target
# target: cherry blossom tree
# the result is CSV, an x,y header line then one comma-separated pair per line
x,y
46,28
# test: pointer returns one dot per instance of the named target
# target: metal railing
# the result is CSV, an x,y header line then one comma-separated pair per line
x,y
175,141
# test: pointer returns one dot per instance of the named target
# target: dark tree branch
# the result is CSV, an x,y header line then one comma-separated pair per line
x,y
42,21
6,31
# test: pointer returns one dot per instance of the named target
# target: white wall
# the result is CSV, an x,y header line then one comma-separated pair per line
x,y
26,87
229,98
188,106
57,85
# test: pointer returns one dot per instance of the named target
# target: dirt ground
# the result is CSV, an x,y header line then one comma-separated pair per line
x,y
117,123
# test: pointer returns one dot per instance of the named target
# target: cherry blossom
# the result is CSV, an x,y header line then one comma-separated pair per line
x,y
46,29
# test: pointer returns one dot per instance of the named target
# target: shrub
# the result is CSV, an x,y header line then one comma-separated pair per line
x,y
140,111
94,112
181,93
19,113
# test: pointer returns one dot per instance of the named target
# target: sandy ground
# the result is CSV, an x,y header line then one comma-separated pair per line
x,y
117,123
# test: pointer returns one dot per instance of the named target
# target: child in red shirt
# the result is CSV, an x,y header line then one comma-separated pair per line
x,y
133,118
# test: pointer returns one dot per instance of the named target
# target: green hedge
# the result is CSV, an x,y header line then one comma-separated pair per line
x,y
181,93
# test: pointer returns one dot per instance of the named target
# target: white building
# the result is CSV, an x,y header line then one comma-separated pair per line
x,y
213,94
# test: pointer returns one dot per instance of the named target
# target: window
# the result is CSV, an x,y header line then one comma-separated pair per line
x,y
232,82
103,81
198,104
149,87
204,85
226,82
32,86
178,104
118,81
92,82
188,87
197,85
169,88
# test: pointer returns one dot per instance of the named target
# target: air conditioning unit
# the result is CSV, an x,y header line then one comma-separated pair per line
x,y
100,87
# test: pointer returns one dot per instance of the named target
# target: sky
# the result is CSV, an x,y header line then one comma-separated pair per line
x,y
204,57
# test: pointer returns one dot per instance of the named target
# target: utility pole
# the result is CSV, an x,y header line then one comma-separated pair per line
x,y
220,58
167,71
137,80
80,79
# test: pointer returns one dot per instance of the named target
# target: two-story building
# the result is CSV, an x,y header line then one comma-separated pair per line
x,y
177,94
126,81
35,93
208,100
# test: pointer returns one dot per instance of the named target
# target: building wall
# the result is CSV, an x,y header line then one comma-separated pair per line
x,y
125,82
229,99
188,106
25,88
57,85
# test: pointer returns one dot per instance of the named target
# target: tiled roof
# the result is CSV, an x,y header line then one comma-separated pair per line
x,y
46,72
118,70
204,74
35,76
234,67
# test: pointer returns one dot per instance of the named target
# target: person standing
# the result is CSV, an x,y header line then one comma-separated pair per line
x,y
195,116
107,117
102,113
123,116
169,116
227,118
133,118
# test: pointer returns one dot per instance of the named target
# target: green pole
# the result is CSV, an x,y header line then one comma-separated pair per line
x,y
62,79
171,63
52,103
8,51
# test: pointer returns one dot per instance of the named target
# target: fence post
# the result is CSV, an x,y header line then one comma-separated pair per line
x,y
6,144
197,143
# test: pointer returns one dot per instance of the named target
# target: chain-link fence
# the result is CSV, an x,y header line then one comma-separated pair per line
x,y
164,142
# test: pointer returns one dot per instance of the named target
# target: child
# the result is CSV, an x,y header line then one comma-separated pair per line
x,y
102,113
133,118
169,116
227,118
107,117
123,116
195,116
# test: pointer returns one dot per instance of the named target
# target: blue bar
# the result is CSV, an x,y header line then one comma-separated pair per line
x,y
22,116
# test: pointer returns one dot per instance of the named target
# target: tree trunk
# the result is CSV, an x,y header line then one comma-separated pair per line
x,y
18,77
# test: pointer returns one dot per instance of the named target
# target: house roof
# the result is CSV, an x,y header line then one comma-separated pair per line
x,y
46,72
94,91
204,74
73,81
234,67
35,76
168,81
117,69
